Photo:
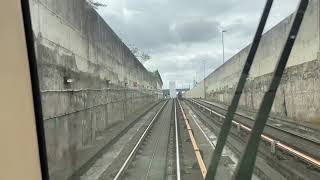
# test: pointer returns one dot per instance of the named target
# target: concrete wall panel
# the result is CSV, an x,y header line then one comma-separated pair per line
x,y
297,95
109,87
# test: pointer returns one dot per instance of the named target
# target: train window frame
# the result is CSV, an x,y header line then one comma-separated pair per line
x,y
35,88
24,133
23,22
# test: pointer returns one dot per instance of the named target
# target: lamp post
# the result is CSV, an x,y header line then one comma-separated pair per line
x,y
223,31
204,79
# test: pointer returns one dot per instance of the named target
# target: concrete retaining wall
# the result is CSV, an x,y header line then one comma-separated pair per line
x,y
90,82
298,96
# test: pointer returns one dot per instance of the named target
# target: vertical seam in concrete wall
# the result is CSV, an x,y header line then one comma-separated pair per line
x,y
318,16
38,17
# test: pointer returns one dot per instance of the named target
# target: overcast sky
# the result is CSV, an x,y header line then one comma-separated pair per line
x,y
182,35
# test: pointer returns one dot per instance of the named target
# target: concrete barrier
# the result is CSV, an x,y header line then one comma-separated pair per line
x,y
298,96
90,81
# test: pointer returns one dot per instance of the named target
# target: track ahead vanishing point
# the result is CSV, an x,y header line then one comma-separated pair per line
x,y
164,150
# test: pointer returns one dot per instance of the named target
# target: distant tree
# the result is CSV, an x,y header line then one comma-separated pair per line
x,y
145,57
96,4
135,51
139,54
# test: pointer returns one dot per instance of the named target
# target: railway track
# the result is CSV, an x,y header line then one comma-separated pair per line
x,y
298,130
301,148
206,132
156,146
149,157
166,150
191,151
117,136
163,146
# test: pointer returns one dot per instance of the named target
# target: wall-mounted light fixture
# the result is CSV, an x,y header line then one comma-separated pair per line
x,y
108,83
68,80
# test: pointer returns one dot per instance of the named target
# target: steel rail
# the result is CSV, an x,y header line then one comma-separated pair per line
x,y
302,156
248,116
195,146
177,142
84,168
269,125
154,151
135,148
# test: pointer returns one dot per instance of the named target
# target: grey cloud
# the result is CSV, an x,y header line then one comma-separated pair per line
x,y
164,27
194,63
241,28
197,30
143,32
188,69
150,28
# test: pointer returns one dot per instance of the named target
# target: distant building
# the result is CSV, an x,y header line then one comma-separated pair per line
x,y
172,87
